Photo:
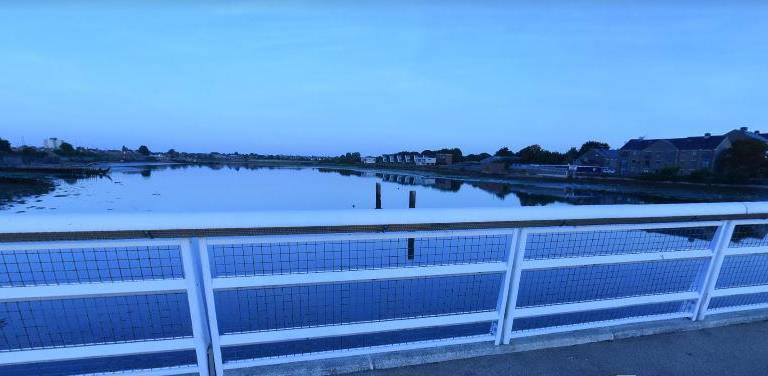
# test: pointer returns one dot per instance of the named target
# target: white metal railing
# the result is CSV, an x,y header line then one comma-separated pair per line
x,y
260,289
40,278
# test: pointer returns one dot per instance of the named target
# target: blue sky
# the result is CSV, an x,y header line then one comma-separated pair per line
x,y
378,76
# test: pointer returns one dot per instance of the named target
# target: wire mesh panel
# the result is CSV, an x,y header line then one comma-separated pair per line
x,y
390,340
570,319
750,235
743,270
742,279
549,245
742,300
228,260
581,277
31,267
597,282
164,363
96,297
98,320
245,310
360,286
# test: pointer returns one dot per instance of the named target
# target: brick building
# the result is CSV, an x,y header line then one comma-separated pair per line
x,y
689,154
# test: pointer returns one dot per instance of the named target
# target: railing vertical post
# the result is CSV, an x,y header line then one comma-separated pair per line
x,y
506,287
511,287
196,309
719,245
213,322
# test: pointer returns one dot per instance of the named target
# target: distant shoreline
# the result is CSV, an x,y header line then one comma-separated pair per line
x,y
510,178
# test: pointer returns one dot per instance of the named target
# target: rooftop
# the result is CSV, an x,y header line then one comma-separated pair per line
x,y
686,143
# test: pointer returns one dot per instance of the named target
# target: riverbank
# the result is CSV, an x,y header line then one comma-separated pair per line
x,y
56,170
464,173
666,191
18,189
292,185
453,172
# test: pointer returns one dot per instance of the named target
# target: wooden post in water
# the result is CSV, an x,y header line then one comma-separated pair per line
x,y
411,241
378,195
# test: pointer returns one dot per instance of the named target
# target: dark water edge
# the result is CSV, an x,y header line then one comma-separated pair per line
x,y
15,189
19,192
541,191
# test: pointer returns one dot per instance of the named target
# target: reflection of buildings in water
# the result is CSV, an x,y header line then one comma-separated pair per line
x,y
448,185
706,234
532,195
342,172
691,233
437,183
144,171
744,232
536,196
532,199
499,190
529,195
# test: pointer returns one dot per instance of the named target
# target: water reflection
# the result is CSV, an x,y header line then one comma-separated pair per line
x,y
527,195
25,191
249,187
441,184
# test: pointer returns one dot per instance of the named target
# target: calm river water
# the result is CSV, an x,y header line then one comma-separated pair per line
x,y
54,323
183,188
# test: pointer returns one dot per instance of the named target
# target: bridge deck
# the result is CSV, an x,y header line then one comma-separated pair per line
x,y
730,350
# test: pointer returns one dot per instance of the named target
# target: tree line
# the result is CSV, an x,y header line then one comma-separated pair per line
x,y
66,149
532,154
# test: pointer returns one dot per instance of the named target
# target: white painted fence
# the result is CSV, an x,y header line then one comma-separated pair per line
x,y
268,288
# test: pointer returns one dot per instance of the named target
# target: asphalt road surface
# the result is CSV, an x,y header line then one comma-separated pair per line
x,y
731,350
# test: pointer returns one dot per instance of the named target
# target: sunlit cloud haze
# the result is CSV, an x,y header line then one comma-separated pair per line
x,y
378,76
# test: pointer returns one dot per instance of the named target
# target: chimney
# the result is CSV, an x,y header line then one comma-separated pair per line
x,y
707,135
744,129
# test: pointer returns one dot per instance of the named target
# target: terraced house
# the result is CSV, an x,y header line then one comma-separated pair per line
x,y
689,154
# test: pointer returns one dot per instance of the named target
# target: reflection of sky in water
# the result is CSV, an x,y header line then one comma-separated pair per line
x,y
66,322
200,188
204,189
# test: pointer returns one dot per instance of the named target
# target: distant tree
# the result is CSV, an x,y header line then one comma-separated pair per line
x,y
531,154
535,154
66,149
589,145
348,158
504,152
746,159
125,149
571,155
28,150
476,157
172,153
143,150
5,146
353,157
455,153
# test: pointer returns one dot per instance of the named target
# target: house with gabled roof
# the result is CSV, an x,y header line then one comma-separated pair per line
x,y
689,154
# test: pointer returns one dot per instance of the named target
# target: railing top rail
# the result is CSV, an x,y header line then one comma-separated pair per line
x,y
166,225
